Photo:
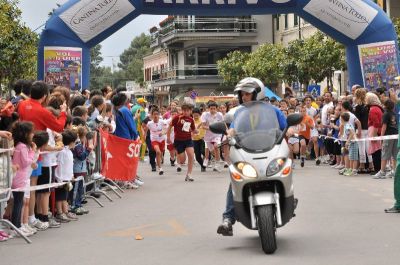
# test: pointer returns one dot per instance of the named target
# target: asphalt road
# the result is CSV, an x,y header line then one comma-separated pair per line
x,y
340,220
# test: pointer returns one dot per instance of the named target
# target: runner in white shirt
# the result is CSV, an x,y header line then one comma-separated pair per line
x,y
170,147
313,113
157,129
212,140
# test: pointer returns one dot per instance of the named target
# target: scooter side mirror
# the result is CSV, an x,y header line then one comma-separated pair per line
x,y
294,119
218,128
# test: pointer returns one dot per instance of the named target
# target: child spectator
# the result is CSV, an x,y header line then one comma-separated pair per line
x,y
96,107
41,139
389,146
24,158
80,152
64,173
157,137
351,148
183,128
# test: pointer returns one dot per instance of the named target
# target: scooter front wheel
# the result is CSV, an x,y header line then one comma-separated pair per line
x,y
266,228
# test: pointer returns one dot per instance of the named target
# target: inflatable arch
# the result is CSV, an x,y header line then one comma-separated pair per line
x,y
77,26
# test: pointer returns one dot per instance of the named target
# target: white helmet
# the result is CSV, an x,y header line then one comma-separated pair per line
x,y
251,85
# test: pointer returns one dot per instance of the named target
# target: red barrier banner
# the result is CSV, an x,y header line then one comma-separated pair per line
x,y
120,157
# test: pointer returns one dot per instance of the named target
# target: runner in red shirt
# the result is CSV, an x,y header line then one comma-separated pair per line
x,y
183,128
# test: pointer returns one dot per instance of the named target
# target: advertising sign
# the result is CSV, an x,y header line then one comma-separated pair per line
x,y
63,67
379,64
350,17
88,18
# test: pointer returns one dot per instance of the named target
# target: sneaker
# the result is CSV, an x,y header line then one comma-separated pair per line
x,y
392,210
302,162
203,169
25,231
153,169
205,162
131,185
178,168
62,218
226,165
354,172
161,172
317,161
390,174
53,223
188,178
335,166
348,172
172,162
71,216
216,168
138,181
225,228
39,225
341,172
28,228
380,175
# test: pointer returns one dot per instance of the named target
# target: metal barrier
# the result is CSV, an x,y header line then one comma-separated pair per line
x,y
95,179
5,185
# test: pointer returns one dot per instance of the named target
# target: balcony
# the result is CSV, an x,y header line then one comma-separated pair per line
x,y
217,28
188,74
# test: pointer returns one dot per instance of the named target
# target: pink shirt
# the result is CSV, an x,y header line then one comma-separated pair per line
x,y
23,157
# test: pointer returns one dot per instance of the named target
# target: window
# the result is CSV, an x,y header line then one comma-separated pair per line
x,y
286,22
190,56
296,20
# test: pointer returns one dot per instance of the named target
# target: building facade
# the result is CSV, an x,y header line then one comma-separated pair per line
x,y
187,49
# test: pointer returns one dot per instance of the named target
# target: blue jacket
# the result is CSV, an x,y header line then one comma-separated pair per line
x,y
80,153
125,125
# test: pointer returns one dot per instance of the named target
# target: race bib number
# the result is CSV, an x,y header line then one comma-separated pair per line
x,y
186,127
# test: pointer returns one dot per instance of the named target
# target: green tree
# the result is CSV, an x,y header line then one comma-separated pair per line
x,y
266,64
396,22
295,66
131,60
324,55
18,45
96,71
232,69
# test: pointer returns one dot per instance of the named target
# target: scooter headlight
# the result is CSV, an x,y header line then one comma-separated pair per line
x,y
247,170
275,166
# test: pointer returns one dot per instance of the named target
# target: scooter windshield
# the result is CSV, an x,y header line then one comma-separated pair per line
x,y
256,126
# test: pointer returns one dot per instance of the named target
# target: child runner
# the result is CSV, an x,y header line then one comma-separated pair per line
x,y
198,141
183,128
157,137
211,139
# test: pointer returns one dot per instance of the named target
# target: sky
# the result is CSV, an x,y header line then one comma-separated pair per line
x,y
35,14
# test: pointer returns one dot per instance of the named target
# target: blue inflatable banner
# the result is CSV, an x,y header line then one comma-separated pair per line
x,y
83,24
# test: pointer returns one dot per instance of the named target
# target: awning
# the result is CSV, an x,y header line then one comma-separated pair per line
x,y
269,93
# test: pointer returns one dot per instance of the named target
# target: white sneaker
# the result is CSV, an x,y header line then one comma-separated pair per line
x,y
131,185
340,167
32,229
390,174
205,162
380,175
160,172
25,231
138,182
342,171
216,168
39,225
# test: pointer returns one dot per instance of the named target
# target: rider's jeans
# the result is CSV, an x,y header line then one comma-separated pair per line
x,y
229,208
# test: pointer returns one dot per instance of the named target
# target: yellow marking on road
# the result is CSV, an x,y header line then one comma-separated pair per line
x,y
170,228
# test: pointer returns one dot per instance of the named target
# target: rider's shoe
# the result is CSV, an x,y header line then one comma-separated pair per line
x,y
225,228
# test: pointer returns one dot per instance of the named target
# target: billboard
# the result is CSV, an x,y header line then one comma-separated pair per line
x,y
63,67
379,64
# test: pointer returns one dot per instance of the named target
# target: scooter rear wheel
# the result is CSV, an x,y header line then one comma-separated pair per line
x,y
266,228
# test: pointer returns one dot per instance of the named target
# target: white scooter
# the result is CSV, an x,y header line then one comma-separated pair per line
x,y
261,172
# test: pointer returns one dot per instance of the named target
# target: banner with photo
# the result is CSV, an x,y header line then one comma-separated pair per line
x,y
379,64
63,67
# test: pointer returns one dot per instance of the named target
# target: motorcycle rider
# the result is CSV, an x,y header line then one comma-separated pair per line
x,y
248,89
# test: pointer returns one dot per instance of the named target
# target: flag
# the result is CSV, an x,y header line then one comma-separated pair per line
x,y
120,157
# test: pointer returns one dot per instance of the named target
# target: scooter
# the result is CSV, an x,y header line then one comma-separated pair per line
x,y
261,172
